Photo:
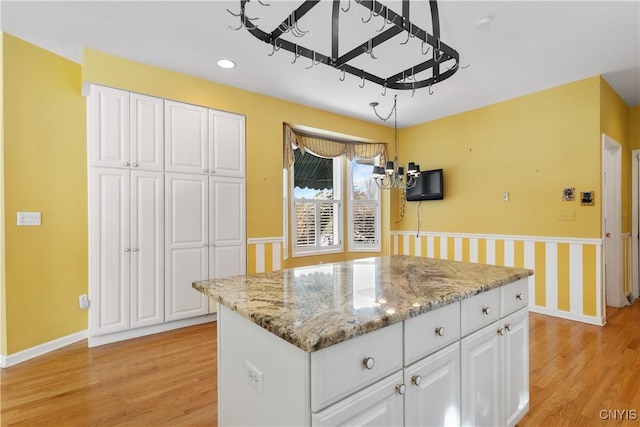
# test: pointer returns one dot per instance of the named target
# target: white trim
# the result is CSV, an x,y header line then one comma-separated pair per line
x,y
97,340
490,251
546,239
417,245
568,316
276,253
39,350
575,278
551,275
260,258
257,240
635,196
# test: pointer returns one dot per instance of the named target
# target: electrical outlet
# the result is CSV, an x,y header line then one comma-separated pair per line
x,y
505,196
567,216
254,376
83,302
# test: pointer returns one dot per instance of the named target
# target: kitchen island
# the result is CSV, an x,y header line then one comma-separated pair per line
x,y
394,340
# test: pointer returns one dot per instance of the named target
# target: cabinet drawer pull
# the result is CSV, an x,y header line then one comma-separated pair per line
x,y
369,362
486,311
508,326
416,380
501,331
125,164
519,296
401,388
204,245
440,331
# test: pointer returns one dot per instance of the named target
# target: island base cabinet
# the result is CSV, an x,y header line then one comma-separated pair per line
x,y
380,404
433,389
262,379
515,368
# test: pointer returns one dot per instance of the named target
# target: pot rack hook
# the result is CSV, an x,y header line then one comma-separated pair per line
x,y
362,85
413,89
430,91
313,61
296,55
439,58
384,92
348,7
384,23
370,16
424,52
409,34
344,75
263,3
274,48
369,49
243,19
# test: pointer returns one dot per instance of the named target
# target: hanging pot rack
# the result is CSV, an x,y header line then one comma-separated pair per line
x,y
394,24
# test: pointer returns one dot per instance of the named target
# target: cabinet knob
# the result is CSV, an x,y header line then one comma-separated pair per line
x,y
206,171
205,245
125,164
135,165
508,326
417,379
134,250
126,249
440,331
369,362
401,388
519,297
501,331
486,311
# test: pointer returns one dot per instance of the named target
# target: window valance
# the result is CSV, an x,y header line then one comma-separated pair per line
x,y
328,148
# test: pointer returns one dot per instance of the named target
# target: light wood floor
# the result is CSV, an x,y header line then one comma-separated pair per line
x,y
576,371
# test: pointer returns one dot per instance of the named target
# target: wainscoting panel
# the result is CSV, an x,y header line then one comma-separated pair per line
x,y
264,255
567,281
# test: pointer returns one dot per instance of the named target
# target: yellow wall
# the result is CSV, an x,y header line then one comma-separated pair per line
x,y
634,128
265,116
531,147
3,324
614,121
45,171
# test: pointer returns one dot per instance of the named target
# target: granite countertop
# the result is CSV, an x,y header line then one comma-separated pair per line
x,y
318,306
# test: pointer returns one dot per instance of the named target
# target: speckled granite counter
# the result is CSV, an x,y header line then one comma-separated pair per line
x,y
318,306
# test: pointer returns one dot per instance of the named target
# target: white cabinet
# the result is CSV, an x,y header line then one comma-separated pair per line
x,y
205,237
187,247
126,129
433,389
495,362
186,142
127,230
204,141
380,404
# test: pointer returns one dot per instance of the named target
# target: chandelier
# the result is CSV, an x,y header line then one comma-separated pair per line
x,y
436,61
389,177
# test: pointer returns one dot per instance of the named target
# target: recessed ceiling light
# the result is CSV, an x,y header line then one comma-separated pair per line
x,y
484,24
226,63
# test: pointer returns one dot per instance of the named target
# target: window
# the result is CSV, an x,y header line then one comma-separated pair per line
x,y
317,204
364,207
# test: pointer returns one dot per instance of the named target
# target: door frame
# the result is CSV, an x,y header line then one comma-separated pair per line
x,y
612,246
635,238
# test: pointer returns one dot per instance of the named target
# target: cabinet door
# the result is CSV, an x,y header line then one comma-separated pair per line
x,y
110,250
186,245
109,127
515,366
380,404
147,242
186,143
227,205
227,143
480,370
147,132
433,389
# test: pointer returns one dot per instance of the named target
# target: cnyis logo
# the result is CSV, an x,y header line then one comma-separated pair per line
x,y
619,414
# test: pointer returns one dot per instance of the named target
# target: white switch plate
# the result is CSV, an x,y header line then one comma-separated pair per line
x,y
505,196
28,218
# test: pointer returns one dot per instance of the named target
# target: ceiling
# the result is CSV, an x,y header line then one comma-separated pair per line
x,y
527,47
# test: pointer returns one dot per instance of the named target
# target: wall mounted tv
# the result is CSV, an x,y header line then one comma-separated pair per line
x,y
429,186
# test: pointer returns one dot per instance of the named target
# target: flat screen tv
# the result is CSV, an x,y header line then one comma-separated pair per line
x,y
429,186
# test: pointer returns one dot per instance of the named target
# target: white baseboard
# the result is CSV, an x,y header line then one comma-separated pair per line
x,y
569,316
97,340
39,350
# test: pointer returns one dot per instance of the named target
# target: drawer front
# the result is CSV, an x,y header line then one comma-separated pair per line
x,y
480,310
431,331
339,370
514,296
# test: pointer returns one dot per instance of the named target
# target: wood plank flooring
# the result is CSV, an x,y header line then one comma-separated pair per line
x,y
576,371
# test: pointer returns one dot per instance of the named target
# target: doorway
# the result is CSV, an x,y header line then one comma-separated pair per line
x,y
611,221
635,222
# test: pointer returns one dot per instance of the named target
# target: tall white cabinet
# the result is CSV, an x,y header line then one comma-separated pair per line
x,y
166,208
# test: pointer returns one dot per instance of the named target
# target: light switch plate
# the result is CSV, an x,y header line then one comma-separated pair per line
x,y
28,218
